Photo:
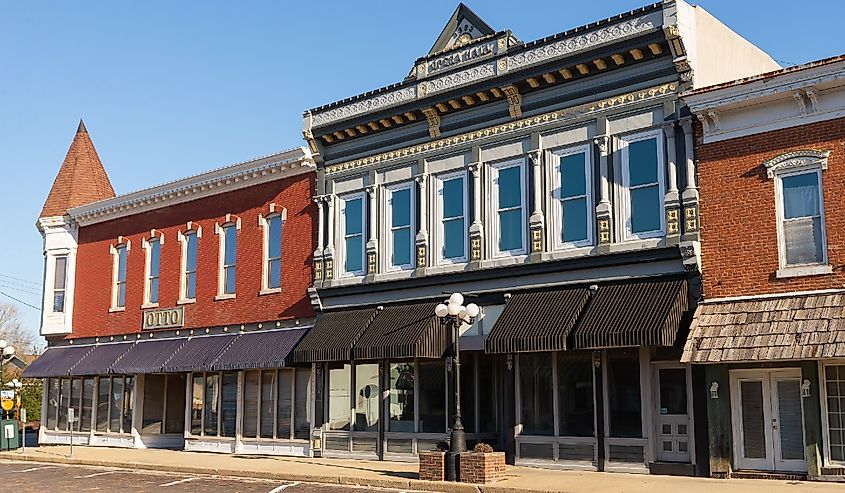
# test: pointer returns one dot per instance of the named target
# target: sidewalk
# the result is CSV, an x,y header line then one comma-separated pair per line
x,y
401,475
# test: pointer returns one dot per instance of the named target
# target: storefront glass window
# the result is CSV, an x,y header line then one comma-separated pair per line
x,y
103,387
575,395
468,392
229,404
432,388
339,398
128,403
64,401
174,412
401,397
835,387
268,403
250,409
535,379
116,407
153,403
87,404
52,402
212,403
284,410
196,404
75,394
302,405
366,397
623,390
488,401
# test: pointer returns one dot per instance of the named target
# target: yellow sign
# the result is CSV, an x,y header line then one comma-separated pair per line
x,y
7,404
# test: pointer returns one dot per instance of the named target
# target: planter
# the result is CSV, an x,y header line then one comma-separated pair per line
x,y
432,466
482,468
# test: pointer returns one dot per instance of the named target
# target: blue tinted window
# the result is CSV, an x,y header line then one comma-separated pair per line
x,y
155,258
573,180
274,273
645,209
453,197
454,235
402,246
510,187
800,195
275,237
121,264
510,230
191,265
191,285
400,207
230,233
642,162
354,249
353,216
575,220
229,285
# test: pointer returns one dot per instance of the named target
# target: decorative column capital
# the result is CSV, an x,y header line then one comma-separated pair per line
x,y
421,179
669,129
371,190
686,123
536,157
475,169
603,143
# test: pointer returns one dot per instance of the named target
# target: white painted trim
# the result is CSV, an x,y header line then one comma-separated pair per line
x,y
146,245
492,207
555,229
114,250
625,206
773,295
264,225
341,226
233,177
437,229
822,389
386,245
779,174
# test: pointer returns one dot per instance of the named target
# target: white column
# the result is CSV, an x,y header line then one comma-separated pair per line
x,y
691,191
421,241
536,158
329,199
475,169
372,207
672,192
603,143
320,225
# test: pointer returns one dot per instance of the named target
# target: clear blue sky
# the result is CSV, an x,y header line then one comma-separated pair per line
x,y
169,89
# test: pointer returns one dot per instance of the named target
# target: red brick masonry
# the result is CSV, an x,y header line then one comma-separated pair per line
x,y
432,466
481,468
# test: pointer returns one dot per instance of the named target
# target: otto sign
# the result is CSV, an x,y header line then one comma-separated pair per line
x,y
165,318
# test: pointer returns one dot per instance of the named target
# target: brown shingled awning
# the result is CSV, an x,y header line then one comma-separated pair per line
x,y
403,331
638,312
537,320
332,337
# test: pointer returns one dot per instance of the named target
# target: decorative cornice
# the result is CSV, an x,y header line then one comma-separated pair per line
x,y
233,177
456,79
508,128
368,105
796,160
586,41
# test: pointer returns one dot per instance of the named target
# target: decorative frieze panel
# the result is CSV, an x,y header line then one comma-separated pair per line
x,y
368,105
457,79
586,41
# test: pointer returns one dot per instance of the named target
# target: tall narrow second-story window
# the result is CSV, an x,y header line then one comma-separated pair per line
x,y
274,252
401,234
189,276
642,176
153,270
119,300
801,214
59,284
451,215
352,232
573,198
509,202
230,249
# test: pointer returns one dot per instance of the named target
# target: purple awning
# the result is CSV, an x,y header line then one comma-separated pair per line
x,y
147,357
56,362
199,353
99,359
262,349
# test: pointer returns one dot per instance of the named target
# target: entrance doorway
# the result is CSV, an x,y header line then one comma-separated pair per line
x,y
672,420
768,420
163,410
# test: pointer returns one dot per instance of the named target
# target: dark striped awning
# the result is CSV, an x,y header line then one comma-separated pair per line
x,y
56,362
99,359
262,349
147,357
198,353
640,312
537,320
334,334
403,331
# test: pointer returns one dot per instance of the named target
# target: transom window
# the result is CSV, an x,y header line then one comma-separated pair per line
x,y
451,209
572,182
189,276
400,220
352,232
59,284
273,277
509,203
642,177
119,299
801,219
153,268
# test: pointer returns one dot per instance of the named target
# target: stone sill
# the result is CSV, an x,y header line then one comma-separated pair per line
x,y
804,270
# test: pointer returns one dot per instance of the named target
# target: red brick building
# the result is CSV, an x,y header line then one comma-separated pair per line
x,y
168,311
771,169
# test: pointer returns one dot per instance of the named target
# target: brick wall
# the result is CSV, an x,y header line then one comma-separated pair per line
x,y
93,291
738,220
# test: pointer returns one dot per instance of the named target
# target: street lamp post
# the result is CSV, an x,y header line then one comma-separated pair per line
x,y
454,312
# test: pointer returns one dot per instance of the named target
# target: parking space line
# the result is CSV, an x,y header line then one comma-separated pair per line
x,y
95,474
38,468
179,481
277,489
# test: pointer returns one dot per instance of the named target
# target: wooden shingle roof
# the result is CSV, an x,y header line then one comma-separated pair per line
x,y
807,326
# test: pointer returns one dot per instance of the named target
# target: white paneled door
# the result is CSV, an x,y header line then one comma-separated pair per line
x,y
768,423
672,418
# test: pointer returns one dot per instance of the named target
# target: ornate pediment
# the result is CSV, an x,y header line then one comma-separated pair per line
x,y
796,160
463,27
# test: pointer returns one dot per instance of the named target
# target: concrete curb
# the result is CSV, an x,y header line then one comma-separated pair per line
x,y
394,483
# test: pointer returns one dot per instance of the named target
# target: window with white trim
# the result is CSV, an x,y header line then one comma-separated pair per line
x,y
801,225
450,217
572,190
834,406
59,283
153,246
508,229
400,223
352,234
119,287
642,184
228,233
273,258
190,242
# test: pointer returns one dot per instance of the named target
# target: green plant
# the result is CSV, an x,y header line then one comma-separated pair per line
x,y
31,398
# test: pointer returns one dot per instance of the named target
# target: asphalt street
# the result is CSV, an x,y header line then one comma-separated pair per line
x,y
33,477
